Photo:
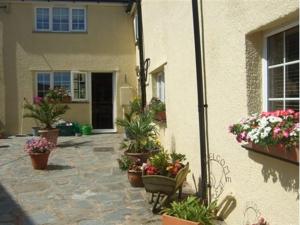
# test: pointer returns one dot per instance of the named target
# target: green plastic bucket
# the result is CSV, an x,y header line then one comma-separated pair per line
x,y
86,129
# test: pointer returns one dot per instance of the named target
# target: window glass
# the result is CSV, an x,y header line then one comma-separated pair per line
x,y
283,70
276,82
60,20
292,44
79,86
160,86
275,49
42,19
43,84
78,19
62,80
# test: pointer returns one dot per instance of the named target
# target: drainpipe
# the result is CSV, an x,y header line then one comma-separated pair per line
x,y
202,193
142,74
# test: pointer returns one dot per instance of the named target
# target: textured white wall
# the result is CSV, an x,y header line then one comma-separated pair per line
x,y
233,50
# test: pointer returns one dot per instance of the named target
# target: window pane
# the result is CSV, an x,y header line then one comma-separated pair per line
x,y
275,105
62,80
275,49
292,44
60,19
43,84
292,81
275,83
79,82
292,104
42,18
78,19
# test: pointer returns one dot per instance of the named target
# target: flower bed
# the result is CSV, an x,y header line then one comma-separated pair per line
x,y
273,133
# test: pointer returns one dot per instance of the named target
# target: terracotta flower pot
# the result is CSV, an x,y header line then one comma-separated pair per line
x,y
66,99
161,116
135,178
277,151
51,135
39,160
143,156
171,220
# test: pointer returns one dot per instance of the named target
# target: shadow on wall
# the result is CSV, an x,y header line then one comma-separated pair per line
x,y
10,211
278,171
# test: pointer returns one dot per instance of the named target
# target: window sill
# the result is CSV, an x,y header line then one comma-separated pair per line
x,y
76,102
59,32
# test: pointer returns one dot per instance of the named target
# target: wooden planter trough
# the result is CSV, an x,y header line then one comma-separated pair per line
x,y
276,151
163,188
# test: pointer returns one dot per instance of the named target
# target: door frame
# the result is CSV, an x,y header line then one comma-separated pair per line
x,y
114,90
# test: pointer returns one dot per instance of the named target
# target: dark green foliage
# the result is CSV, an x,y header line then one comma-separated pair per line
x,y
160,161
46,112
193,210
177,157
156,105
124,163
140,130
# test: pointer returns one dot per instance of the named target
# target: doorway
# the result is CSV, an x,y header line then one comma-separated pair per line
x,y
102,102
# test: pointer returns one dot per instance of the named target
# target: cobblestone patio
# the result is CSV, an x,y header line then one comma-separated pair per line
x,y
82,185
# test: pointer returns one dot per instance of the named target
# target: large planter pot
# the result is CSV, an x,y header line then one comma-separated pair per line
x,y
171,220
51,135
276,151
35,131
135,178
143,156
39,160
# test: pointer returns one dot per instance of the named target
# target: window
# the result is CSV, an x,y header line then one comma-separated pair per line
x,y
78,19
43,83
283,70
42,19
60,19
62,80
159,86
79,85
74,84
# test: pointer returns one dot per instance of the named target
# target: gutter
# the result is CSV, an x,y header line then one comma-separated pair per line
x,y
142,73
202,106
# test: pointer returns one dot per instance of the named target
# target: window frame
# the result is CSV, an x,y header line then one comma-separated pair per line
x,y
265,66
35,19
70,9
71,83
72,86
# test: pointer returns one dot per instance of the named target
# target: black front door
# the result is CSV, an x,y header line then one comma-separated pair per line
x,y
102,101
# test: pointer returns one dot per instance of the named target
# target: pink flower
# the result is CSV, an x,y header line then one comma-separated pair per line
x,y
37,100
286,134
276,130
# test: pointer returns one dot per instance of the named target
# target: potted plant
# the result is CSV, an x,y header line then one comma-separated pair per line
x,y
135,110
58,95
47,113
159,109
134,170
143,134
39,150
273,133
189,212
164,174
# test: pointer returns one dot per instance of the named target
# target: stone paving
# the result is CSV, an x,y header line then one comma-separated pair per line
x,y
82,186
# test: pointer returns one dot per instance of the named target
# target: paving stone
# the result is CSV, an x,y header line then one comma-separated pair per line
x,y
42,217
83,186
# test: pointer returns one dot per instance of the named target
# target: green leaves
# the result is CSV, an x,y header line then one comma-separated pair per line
x,y
193,210
45,111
